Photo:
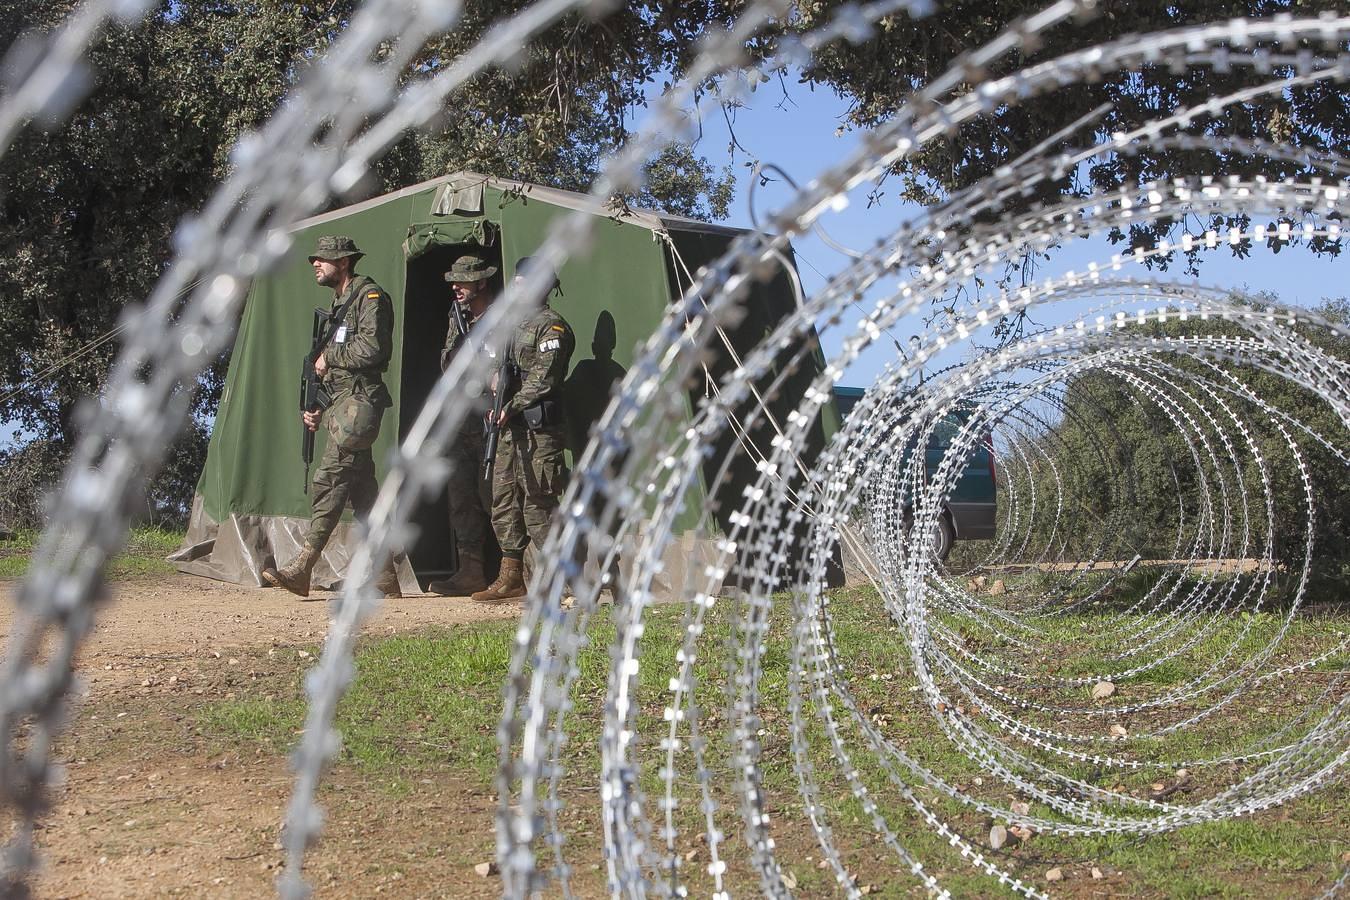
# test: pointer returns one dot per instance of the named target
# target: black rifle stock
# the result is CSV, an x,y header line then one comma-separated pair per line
x,y
314,397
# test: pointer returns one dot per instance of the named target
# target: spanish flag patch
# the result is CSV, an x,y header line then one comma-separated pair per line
x,y
373,295
557,328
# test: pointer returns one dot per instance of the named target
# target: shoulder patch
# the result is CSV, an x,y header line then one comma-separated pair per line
x,y
557,328
372,295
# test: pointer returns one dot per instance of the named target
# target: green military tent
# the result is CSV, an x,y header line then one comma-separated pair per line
x,y
250,507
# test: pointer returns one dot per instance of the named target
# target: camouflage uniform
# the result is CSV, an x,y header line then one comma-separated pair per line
x,y
357,356
466,489
530,472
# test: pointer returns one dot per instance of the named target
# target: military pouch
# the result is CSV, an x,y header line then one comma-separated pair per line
x,y
544,414
354,422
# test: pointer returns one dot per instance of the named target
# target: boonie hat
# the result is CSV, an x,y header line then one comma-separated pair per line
x,y
470,268
332,247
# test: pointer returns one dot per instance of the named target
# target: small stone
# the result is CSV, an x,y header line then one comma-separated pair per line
x,y
486,869
303,654
1157,786
691,855
1183,773
823,864
1054,874
868,889
1097,874
998,588
790,881
998,836
1021,832
1119,731
1021,807
233,661
1103,689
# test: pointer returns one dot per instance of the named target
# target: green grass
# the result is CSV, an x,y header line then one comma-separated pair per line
x,y
144,553
430,702
419,701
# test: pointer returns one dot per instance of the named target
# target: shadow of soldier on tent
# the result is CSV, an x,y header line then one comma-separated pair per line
x,y
587,392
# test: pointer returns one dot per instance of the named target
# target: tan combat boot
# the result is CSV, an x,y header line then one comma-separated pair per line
x,y
387,581
467,580
510,584
294,576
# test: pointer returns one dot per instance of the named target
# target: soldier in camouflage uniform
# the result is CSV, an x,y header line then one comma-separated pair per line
x,y
352,367
467,492
529,472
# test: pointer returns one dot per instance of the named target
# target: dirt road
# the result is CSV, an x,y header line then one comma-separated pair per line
x,y
149,808
183,612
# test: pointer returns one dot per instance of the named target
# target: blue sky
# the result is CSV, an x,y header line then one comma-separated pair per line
x,y
801,136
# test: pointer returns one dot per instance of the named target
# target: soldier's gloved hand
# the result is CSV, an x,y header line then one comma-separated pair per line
x,y
311,419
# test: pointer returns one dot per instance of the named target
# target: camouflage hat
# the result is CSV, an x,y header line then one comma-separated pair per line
x,y
470,268
526,263
333,247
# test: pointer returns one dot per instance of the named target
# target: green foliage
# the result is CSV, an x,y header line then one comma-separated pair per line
x,y
903,56
1128,467
29,469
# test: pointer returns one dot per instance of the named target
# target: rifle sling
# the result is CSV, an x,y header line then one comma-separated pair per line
x,y
334,323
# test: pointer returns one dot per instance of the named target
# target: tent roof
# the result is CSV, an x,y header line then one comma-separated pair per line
x,y
650,219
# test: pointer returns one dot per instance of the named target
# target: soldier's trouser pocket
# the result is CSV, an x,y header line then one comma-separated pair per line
x,y
355,422
546,466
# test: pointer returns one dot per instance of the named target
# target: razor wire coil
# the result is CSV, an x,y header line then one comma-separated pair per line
x,y
972,657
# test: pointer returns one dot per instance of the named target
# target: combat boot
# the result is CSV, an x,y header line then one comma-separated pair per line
x,y
294,576
510,584
467,580
387,581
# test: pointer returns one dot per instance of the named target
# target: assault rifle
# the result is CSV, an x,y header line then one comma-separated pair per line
x,y
492,428
314,396
461,320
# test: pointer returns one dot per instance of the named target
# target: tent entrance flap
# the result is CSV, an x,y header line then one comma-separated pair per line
x,y
449,233
426,318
